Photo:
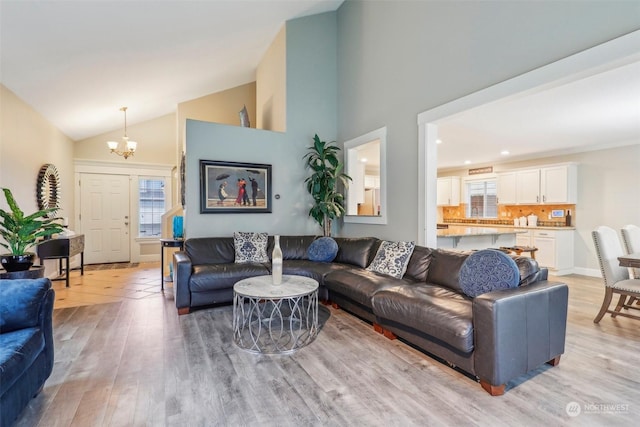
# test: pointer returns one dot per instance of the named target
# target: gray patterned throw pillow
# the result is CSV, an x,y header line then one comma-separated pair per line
x,y
250,247
392,258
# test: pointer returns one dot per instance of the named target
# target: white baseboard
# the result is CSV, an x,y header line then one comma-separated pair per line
x,y
591,272
153,258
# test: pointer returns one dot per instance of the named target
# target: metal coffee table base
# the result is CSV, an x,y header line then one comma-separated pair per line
x,y
275,325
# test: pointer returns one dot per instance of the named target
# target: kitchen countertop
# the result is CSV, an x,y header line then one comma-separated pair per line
x,y
478,230
506,226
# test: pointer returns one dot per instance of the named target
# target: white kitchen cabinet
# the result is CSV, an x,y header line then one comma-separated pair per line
x,y
371,181
554,184
523,239
507,188
448,191
559,184
546,253
528,187
555,248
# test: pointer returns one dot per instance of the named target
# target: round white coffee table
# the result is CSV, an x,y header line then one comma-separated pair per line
x,y
275,319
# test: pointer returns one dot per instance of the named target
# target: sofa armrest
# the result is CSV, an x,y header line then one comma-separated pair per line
x,y
181,276
23,303
517,330
28,303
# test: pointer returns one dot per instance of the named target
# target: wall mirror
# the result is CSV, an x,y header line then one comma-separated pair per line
x,y
48,189
365,163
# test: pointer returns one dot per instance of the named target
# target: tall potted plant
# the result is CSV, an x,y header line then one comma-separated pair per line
x,y
20,232
326,172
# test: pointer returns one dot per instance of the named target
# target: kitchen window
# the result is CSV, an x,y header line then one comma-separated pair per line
x,y
482,197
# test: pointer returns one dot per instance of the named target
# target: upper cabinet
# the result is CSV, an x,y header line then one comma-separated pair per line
x,y
528,187
556,184
507,188
559,184
448,191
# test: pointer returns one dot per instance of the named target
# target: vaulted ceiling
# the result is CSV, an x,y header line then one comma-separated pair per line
x,y
78,62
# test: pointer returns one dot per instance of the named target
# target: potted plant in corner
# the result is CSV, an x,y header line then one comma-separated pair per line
x,y
20,232
326,167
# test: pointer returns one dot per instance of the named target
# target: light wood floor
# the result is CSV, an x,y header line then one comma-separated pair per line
x,y
131,361
103,286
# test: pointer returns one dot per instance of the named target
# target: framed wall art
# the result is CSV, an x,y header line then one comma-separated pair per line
x,y
233,187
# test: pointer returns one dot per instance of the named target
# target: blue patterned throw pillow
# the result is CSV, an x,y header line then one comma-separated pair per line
x,y
392,258
323,249
250,247
488,270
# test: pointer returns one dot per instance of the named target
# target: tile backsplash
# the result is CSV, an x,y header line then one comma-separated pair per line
x,y
506,214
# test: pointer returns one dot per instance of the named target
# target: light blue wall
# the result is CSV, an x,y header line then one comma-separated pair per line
x,y
397,59
311,108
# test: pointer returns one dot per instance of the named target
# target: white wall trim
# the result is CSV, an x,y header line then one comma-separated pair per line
x,y
591,272
615,53
381,135
134,171
120,168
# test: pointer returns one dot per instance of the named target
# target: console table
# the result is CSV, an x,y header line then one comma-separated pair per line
x,y
63,248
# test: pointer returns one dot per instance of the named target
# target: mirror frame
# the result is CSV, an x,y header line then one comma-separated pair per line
x,y
381,135
48,189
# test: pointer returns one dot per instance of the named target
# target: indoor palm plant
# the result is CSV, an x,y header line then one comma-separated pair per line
x,y
322,184
20,232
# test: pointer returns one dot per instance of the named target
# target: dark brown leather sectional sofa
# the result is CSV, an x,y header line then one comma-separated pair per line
x,y
495,337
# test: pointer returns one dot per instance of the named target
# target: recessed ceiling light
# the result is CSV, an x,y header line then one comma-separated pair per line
x,y
363,160
438,141
505,152
467,162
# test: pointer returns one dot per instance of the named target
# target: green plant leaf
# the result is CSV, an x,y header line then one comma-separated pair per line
x,y
19,231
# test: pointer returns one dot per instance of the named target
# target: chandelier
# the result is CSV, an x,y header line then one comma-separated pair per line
x,y
130,146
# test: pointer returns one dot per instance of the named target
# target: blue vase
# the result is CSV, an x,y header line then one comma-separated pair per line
x,y
178,232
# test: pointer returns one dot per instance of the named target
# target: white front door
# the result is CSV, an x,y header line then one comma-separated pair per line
x,y
105,218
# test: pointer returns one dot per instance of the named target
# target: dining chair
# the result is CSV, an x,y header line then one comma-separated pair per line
x,y
616,278
631,238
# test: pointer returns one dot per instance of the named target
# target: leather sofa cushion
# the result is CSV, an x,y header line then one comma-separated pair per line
x,y
18,350
356,251
444,268
433,310
293,247
359,285
210,250
315,270
223,276
419,264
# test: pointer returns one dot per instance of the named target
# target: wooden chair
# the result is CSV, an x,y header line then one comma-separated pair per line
x,y
519,249
616,278
631,239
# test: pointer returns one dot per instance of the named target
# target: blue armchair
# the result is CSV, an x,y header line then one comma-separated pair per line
x,y
26,343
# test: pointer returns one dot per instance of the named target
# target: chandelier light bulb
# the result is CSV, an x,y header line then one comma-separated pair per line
x,y
130,146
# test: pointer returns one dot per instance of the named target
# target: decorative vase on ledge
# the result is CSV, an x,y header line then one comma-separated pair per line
x,y
276,262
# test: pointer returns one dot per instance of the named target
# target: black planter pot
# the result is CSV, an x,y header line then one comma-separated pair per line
x,y
17,262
